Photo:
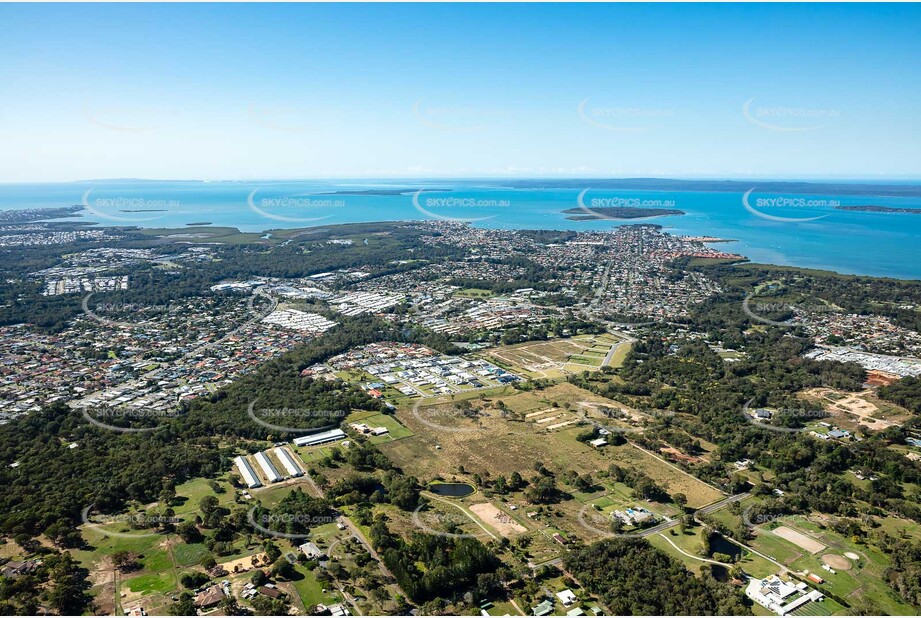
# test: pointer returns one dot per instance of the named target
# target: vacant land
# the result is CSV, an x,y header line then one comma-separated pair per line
x,y
497,519
458,441
556,358
850,409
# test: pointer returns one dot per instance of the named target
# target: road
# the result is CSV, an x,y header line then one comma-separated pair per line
x,y
693,556
718,505
358,534
712,508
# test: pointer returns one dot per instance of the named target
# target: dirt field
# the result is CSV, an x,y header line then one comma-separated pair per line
x,y
839,563
799,539
501,522
244,564
858,408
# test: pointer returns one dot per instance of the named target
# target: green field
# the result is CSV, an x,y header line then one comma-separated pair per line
x,y
397,430
311,591
863,582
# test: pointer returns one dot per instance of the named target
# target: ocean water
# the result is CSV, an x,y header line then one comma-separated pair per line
x,y
804,230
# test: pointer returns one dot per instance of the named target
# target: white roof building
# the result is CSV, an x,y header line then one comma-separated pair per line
x,y
288,461
247,472
268,468
320,438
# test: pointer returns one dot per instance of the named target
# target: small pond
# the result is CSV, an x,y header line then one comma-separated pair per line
x,y
722,545
453,490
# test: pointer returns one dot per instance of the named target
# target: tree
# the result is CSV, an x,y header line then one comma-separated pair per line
x,y
189,532
208,505
193,579
185,606
271,551
283,569
681,500
258,578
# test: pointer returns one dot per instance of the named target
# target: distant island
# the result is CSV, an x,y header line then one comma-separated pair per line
x,y
383,191
619,212
199,223
871,191
886,209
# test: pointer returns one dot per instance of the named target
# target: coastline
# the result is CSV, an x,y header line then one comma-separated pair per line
x,y
272,236
843,241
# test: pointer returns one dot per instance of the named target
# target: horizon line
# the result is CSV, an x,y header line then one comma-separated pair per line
x,y
807,179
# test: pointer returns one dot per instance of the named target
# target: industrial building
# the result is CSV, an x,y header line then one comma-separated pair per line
x,y
268,468
320,438
247,472
288,461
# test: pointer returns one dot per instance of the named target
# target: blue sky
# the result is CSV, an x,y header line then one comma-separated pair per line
x,y
302,91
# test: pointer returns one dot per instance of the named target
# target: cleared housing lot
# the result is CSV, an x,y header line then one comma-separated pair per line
x,y
557,357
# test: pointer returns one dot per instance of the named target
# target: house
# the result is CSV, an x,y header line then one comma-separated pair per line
x,y
311,551
576,611
209,596
15,568
567,597
599,442
779,596
559,538
544,608
635,516
272,593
